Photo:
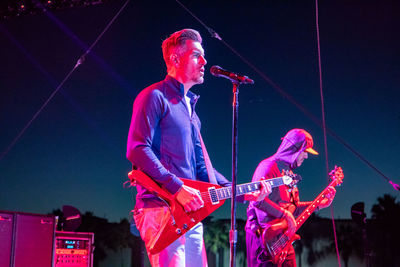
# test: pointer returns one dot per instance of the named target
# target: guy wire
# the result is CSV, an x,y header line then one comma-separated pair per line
x,y
286,95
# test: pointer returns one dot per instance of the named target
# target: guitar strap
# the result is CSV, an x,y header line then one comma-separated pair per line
x,y
210,169
293,191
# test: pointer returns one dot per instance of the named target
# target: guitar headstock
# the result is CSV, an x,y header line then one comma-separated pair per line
x,y
337,175
289,178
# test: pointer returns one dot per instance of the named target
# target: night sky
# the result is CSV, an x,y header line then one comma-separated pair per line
x,y
74,152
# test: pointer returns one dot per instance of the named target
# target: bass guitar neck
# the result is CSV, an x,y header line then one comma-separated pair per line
x,y
277,240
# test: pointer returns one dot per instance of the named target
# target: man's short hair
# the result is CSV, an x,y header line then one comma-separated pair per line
x,y
176,41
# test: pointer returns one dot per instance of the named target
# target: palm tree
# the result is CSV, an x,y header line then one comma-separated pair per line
x,y
216,238
349,242
312,232
298,248
317,237
241,243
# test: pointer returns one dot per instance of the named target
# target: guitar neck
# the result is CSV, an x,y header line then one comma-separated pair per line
x,y
312,207
226,192
278,249
284,239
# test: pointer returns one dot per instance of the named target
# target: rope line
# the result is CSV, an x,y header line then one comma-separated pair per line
x,y
79,62
293,101
324,127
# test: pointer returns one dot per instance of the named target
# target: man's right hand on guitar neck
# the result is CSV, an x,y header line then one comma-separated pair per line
x,y
189,198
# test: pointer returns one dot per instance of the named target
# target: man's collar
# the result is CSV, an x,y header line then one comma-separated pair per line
x,y
175,84
180,89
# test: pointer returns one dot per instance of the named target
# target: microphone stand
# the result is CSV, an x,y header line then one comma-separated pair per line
x,y
233,232
236,80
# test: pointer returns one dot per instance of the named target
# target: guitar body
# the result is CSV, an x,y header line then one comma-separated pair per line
x,y
271,237
180,221
209,206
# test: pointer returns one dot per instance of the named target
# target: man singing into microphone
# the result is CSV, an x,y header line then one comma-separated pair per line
x,y
164,142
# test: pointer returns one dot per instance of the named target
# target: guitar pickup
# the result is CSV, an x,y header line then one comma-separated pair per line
x,y
213,195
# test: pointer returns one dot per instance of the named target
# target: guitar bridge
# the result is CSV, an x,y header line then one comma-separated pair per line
x,y
213,195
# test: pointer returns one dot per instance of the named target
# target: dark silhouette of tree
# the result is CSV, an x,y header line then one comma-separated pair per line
x,y
114,236
318,239
383,234
312,232
349,242
216,238
241,241
384,231
298,248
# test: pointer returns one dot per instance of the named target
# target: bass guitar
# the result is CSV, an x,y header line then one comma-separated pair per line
x,y
213,196
277,240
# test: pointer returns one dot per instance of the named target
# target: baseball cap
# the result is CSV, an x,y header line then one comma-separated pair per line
x,y
298,136
310,143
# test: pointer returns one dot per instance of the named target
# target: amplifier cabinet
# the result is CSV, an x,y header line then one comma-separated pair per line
x,y
26,239
6,237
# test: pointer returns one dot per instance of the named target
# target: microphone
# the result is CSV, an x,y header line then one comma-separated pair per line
x,y
217,71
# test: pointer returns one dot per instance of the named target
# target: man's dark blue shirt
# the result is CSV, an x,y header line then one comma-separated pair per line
x,y
163,141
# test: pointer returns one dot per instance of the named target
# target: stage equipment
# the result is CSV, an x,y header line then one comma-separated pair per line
x,y
26,239
236,80
6,235
360,218
71,218
73,249
217,71
357,214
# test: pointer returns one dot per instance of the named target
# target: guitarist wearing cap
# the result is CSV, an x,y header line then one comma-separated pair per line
x,y
277,212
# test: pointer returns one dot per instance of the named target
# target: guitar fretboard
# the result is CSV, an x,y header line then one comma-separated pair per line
x,y
284,239
226,192
314,205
